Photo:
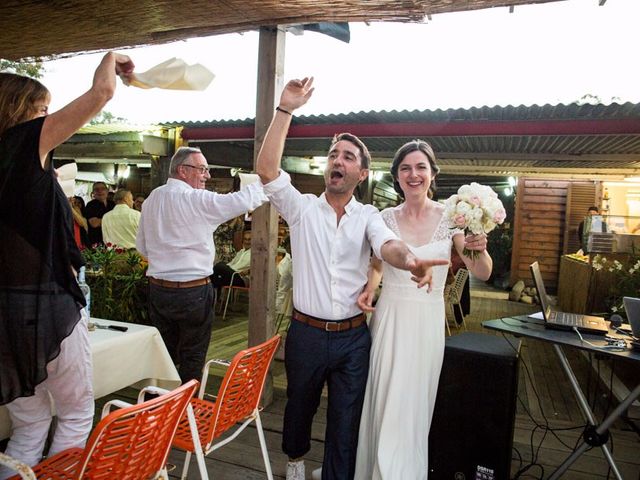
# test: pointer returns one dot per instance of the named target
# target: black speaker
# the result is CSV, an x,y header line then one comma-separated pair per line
x,y
472,428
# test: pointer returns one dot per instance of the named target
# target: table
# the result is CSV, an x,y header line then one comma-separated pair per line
x,y
523,326
136,357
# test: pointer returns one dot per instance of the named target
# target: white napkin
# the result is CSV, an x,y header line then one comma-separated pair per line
x,y
174,74
67,178
247,179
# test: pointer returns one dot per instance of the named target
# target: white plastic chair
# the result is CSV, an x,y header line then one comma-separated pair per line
x,y
232,289
452,297
23,469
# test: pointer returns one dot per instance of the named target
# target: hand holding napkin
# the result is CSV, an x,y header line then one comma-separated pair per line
x,y
174,74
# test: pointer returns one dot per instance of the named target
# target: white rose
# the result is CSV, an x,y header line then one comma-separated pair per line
x,y
463,208
465,192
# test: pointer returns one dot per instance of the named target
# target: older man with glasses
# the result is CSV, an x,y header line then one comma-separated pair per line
x,y
176,235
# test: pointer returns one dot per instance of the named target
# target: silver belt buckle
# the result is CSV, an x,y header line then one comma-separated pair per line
x,y
326,326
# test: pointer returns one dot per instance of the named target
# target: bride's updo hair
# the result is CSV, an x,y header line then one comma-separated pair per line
x,y
406,149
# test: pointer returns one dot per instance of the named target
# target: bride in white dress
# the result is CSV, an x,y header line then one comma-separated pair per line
x,y
408,326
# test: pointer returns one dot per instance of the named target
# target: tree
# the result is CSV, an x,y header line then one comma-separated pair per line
x,y
32,68
591,99
105,117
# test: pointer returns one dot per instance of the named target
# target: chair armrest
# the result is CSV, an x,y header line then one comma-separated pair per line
x,y
219,361
106,410
205,374
23,469
151,389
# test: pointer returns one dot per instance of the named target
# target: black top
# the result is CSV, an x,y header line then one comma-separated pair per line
x,y
40,300
96,209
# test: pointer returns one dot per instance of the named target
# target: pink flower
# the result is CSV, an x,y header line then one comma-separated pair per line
x,y
499,216
459,220
475,200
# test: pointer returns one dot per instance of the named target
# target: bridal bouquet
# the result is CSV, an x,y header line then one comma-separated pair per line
x,y
475,209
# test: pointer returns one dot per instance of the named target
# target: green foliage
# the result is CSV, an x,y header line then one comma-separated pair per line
x,y
34,69
119,286
625,279
105,117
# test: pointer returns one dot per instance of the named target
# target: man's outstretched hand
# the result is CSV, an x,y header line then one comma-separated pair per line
x,y
421,270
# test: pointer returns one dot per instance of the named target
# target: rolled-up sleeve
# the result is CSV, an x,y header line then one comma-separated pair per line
x,y
378,233
219,208
284,196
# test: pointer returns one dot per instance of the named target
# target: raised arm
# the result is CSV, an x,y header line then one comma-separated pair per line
x,y
397,254
59,126
295,94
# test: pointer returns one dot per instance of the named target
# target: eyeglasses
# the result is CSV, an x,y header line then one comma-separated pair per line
x,y
201,170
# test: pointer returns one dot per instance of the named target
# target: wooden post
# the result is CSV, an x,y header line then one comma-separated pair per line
x,y
264,227
160,163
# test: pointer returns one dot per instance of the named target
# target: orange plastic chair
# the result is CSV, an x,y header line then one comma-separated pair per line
x,y
237,401
132,443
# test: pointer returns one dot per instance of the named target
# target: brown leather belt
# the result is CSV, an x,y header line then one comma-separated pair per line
x,y
169,284
328,326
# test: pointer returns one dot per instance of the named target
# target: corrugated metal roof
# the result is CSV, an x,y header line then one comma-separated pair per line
x,y
109,128
536,138
572,111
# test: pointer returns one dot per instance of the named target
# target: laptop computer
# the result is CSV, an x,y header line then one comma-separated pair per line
x,y
562,320
632,307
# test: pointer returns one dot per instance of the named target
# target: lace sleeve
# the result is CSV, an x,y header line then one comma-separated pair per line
x,y
389,217
455,231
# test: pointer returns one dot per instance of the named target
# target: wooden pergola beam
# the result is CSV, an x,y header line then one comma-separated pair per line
x,y
264,224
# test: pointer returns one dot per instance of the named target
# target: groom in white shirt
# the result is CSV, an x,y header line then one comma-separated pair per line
x,y
331,241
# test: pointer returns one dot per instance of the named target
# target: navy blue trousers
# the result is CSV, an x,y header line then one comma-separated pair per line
x,y
184,317
313,357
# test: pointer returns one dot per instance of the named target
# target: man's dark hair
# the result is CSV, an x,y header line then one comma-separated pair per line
x,y
365,157
593,209
99,183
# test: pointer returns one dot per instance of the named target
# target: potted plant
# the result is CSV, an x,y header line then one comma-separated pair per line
x,y
119,286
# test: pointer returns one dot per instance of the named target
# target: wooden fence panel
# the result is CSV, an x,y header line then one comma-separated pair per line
x,y
539,229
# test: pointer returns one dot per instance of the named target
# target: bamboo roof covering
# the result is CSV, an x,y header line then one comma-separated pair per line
x,y
53,28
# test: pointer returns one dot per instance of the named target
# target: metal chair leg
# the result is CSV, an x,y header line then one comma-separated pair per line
x,y
226,303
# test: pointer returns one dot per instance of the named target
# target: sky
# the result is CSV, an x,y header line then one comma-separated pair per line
x,y
547,53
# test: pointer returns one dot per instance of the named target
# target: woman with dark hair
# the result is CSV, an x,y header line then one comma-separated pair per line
x,y
44,344
408,325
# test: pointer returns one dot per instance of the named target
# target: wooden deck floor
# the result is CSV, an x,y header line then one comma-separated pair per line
x,y
548,421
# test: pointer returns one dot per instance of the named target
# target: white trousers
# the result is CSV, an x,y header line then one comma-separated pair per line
x,y
70,386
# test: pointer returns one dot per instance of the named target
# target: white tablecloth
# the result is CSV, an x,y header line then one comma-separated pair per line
x,y
121,359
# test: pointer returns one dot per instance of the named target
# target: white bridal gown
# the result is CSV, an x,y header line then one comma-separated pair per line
x,y
407,330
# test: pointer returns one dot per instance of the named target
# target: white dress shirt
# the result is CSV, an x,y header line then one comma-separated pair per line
x,y
242,260
330,261
177,225
120,226
284,283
